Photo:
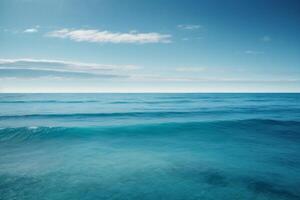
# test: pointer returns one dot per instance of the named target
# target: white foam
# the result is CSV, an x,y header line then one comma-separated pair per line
x,y
32,127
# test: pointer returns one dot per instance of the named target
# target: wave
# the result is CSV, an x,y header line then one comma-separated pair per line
x,y
152,102
152,114
218,111
96,101
21,134
116,114
50,101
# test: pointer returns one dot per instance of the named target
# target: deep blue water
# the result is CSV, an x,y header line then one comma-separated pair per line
x,y
150,146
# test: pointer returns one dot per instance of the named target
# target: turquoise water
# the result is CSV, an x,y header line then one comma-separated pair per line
x,y
150,146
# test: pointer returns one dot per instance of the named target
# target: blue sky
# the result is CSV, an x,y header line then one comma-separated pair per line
x,y
149,46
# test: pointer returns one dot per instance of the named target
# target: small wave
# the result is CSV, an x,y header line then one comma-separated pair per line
x,y
33,127
251,125
50,101
96,101
159,114
151,102
117,114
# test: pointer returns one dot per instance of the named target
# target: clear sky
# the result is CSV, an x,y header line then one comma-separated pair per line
x,y
149,46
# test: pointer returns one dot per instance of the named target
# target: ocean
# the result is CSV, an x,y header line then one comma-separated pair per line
x,y
150,146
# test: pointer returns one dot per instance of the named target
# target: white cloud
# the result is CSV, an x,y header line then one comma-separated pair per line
x,y
31,30
266,38
254,52
15,72
21,67
39,68
92,35
59,64
159,78
190,69
189,26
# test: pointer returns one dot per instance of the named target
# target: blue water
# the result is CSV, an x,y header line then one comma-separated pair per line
x,y
150,146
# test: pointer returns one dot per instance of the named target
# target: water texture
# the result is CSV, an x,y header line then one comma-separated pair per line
x,y
150,146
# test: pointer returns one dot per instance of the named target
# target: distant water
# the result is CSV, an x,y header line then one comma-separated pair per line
x,y
150,146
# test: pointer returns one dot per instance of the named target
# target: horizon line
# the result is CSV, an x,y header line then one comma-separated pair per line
x,y
167,92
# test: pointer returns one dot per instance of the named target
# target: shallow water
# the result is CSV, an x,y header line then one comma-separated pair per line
x,y
150,146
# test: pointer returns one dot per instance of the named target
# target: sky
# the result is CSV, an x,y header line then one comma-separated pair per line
x,y
149,46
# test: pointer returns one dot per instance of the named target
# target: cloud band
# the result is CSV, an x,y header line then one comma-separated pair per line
x,y
92,35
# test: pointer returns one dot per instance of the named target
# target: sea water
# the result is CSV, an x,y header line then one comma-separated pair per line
x,y
150,146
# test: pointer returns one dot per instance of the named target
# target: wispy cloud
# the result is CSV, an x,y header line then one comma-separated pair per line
x,y
97,36
37,68
58,69
266,38
190,69
38,73
251,52
30,30
59,64
159,78
189,26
